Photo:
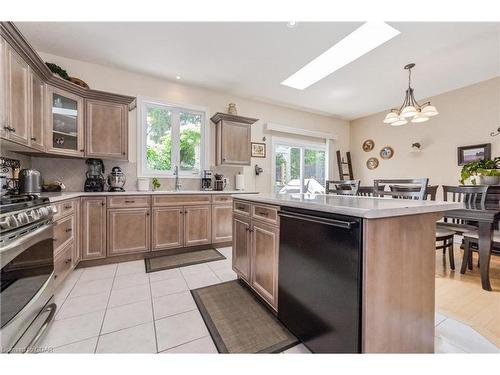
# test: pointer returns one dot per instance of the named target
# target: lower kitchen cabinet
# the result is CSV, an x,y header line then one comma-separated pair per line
x,y
128,230
256,249
197,225
222,216
168,228
93,226
241,246
264,261
63,263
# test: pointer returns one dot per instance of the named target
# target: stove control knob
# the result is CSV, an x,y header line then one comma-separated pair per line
x,y
43,212
34,215
12,222
4,224
23,218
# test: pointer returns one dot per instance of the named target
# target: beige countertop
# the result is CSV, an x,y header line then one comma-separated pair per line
x,y
365,207
60,196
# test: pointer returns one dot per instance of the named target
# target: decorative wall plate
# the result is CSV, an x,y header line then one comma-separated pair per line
x,y
372,163
386,152
368,145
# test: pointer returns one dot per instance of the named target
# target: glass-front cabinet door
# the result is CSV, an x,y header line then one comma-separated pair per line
x,y
65,130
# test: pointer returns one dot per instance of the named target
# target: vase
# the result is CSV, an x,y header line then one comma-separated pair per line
x,y
231,109
489,180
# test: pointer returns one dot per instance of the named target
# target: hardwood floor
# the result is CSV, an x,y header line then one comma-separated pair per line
x,y
462,298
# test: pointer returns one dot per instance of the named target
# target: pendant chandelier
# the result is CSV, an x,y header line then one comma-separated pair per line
x,y
410,110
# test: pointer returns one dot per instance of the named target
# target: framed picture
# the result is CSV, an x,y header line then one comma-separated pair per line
x,y
372,163
467,154
258,150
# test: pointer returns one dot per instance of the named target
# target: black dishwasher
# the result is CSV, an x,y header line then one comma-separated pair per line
x,y
319,296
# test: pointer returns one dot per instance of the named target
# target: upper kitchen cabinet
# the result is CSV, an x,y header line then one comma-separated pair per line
x,y
106,130
64,122
233,139
46,113
17,86
37,112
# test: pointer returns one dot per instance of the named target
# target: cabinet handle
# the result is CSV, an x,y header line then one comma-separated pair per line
x,y
6,128
263,213
82,150
13,130
103,204
33,138
129,201
68,260
68,230
67,207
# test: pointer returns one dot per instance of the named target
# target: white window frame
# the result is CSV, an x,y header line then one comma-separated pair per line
x,y
302,144
142,168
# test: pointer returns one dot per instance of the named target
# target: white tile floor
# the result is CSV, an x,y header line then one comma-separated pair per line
x,y
118,308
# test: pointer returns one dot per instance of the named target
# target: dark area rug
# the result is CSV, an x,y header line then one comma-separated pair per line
x,y
166,262
238,322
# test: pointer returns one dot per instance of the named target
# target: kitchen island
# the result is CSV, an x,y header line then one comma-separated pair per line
x,y
345,274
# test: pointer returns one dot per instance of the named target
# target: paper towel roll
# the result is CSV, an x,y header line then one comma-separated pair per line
x,y
240,182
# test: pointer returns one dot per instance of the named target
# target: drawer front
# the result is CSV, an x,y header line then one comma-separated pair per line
x,y
64,232
222,199
65,208
63,263
180,200
129,201
242,208
268,214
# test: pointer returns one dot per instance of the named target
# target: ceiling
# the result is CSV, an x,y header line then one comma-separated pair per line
x,y
251,59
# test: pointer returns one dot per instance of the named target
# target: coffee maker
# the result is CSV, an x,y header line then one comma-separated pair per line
x,y
95,175
220,182
206,180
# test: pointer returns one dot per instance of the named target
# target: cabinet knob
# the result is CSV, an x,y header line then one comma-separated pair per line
x,y
82,150
12,130
103,204
124,153
33,138
67,261
147,213
68,230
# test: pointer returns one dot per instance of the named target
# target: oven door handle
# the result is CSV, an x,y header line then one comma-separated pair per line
x,y
51,308
18,245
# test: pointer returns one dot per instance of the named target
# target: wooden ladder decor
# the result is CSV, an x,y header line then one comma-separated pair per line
x,y
341,162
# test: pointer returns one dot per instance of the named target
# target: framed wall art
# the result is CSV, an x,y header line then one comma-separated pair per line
x,y
467,154
258,150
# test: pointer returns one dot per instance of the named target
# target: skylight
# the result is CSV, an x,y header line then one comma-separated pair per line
x,y
362,40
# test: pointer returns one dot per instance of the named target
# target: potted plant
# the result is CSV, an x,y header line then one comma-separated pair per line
x,y
481,172
156,184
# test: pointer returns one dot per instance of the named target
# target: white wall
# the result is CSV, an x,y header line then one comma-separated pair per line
x,y
128,83
467,117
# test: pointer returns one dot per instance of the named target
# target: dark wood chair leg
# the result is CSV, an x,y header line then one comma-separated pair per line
x,y
470,265
450,253
466,257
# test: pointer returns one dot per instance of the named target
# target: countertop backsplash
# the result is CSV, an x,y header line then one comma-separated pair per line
x,y
72,173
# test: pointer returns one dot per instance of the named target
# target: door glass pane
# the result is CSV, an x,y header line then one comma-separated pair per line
x,y
190,140
287,169
159,138
314,171
64,122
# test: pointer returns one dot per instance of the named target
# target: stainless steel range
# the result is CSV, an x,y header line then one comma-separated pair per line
x,y
27,271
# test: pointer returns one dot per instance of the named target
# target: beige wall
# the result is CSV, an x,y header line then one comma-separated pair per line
x,y
467,117
124,82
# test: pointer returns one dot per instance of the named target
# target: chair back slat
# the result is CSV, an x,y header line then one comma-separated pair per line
x,y
342,187
402,188
473,196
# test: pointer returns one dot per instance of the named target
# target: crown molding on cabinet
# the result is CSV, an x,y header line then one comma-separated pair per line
x,y
19,43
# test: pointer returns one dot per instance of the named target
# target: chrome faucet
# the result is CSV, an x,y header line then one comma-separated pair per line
x,y
178,185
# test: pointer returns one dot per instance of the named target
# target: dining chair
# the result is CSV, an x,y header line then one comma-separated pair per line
x,y
367,191
342,187
471,240
404,188
430,191
473,196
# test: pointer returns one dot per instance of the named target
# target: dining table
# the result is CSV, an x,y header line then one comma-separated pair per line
x,y
487,219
